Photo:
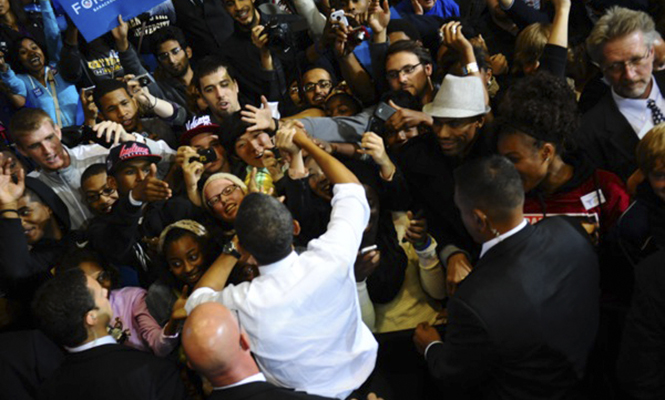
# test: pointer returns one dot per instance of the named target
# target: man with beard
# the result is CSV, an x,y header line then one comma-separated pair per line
x,y
621,44
172,53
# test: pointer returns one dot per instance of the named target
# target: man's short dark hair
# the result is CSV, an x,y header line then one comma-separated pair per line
x,y
410,46
232,128
105,87
542,106
60,307
164,35
265,228
93,170
402,25
491,184
209,64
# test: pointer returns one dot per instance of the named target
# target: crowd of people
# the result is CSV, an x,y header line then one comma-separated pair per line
x,y
351,199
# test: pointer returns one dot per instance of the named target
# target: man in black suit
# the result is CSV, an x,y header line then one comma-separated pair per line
x,y
621,44
74,310
216,348
522,324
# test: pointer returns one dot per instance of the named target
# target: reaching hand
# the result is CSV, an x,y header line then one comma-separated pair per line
x,y
405,118
260,117
151,188
372,144
416,233
3,63
10,191
120,33
417,7
458,267
424,335
454,38
379,15
192,172
273,165
259,37
342,46
178,311
366,264
284,139
90,110
499,64
112,132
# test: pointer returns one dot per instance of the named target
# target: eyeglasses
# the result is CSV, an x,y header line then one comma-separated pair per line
x,y
407,69
633,63
214,200
323,84
95,196
165,56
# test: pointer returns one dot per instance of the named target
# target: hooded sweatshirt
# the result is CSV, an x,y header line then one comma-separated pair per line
x,y
23,269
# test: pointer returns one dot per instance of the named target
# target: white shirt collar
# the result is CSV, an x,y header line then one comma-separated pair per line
x,y
286,261
254,378
636,111
108,339
491,243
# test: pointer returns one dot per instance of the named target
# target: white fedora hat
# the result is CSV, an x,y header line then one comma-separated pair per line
x,y
458,98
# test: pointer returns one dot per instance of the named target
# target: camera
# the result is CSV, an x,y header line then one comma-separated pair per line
x,y
377,122
357,35
205,156
281,31
73,136
144,80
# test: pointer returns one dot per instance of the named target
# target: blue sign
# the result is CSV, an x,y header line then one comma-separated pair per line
x,y
94,18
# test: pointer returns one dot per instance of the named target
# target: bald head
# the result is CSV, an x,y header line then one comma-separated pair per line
x,y
215,346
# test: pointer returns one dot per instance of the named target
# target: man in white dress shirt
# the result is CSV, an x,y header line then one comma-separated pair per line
x,y
622,45
301,314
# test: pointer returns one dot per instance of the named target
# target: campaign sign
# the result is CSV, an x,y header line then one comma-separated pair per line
x,y
96,17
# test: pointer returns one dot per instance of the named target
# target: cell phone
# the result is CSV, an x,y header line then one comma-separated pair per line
x,y
145,79
89,135
367,249
88,91
205,156
339,17
377,121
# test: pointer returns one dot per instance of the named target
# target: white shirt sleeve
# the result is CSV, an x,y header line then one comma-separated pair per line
x,y
348,219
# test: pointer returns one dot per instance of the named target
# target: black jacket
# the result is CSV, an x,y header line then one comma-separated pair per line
x,y
523,323
119,235
261,391
429,174
641,365
112,372
607,137
23,269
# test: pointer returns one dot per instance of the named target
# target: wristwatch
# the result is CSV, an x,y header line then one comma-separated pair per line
x,y
230,249
470,68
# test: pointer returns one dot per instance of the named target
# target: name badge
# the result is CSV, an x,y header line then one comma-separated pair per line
x,y
591,200
37,91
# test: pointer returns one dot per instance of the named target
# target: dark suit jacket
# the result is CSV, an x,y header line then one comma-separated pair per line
x,y
27,359
113,372
261,391
206,25
522,324
608,139
641,365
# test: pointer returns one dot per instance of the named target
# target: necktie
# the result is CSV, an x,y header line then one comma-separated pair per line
x,y
656,113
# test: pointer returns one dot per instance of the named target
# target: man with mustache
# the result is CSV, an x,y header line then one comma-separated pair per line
x,y
622,45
